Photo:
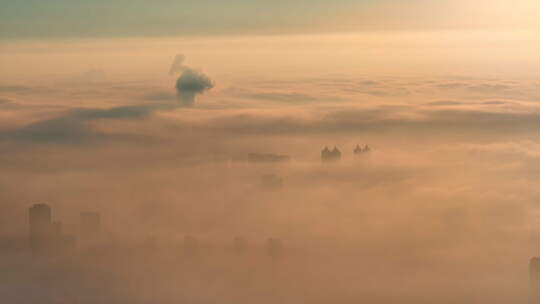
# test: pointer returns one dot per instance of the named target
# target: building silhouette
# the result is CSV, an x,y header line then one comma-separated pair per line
x,y
361,150
328,155
46,236
39,218
534,280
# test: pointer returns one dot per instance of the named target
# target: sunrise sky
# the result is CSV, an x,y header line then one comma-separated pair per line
x,y
120,18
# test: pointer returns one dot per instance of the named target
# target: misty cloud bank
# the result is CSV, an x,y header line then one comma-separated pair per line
x,y
73,128
343,107
443,210
74,125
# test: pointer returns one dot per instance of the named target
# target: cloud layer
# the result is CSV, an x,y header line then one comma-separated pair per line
x,y
443,210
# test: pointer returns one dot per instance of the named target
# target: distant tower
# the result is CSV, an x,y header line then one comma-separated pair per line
x,y
333,155
534,281
359,150
274,247
39,216
325,153
90,223
336,153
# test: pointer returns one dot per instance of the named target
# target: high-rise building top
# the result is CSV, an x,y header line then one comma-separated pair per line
x,y
361,150
330,155
46,236
39,216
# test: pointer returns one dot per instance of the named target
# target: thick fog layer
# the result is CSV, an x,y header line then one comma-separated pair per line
x,y
433,199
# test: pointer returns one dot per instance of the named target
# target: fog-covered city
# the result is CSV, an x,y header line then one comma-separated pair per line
x,y
279,165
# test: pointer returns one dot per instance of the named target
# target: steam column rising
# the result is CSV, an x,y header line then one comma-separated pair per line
x,y
190,83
